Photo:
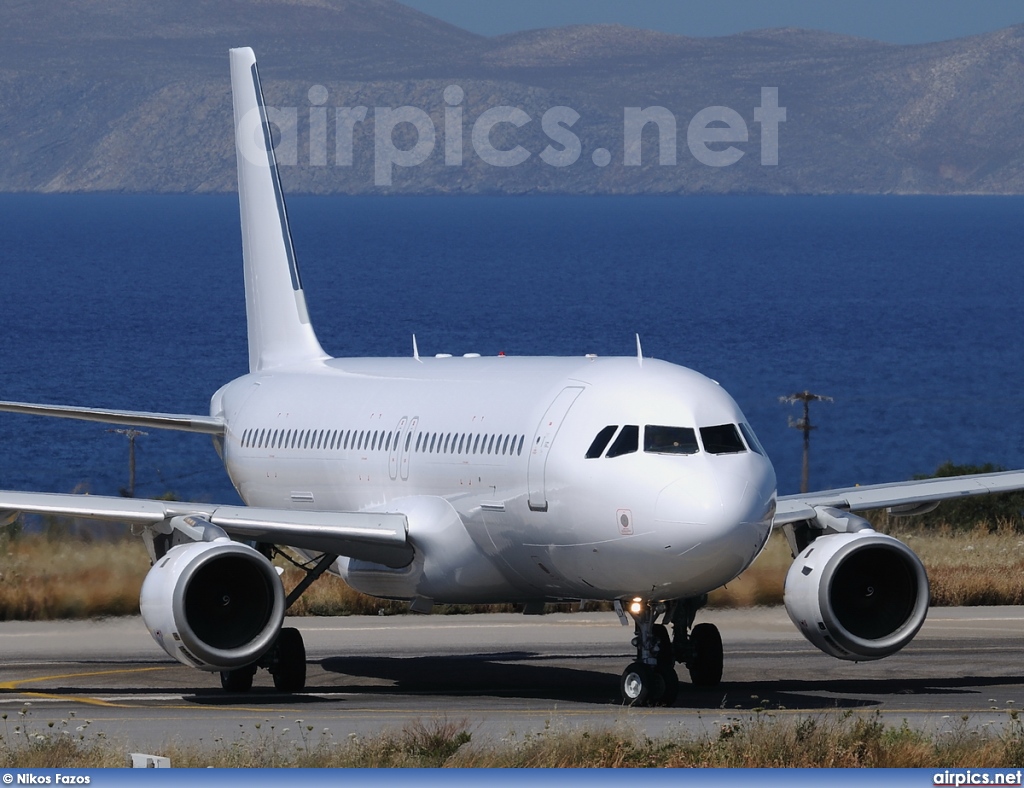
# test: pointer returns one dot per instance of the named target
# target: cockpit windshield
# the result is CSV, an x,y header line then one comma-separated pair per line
x,y
626,442
752,441
658,439
722,439
670,440
601,442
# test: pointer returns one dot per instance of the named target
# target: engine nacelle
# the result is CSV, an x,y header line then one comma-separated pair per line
x,y
857,596
213,605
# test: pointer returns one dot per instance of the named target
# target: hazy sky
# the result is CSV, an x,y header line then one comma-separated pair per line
x,y
898,21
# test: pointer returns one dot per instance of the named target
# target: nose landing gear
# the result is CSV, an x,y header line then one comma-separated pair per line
x,y
651,680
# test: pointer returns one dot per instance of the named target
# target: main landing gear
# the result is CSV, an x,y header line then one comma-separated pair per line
x,y
651,680
286,659
286,662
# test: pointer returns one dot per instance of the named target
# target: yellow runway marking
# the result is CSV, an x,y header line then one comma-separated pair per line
x,y
16,685
13,685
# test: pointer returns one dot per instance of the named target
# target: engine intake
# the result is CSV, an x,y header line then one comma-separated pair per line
x,y
213,605
857,596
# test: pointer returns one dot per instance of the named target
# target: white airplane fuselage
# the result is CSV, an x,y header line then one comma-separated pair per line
x,y
487,458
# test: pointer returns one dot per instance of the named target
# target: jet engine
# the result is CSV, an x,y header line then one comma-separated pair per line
x,y
213,605
857,596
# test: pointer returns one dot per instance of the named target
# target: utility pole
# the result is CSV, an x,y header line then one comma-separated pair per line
x,y
132,435
804,425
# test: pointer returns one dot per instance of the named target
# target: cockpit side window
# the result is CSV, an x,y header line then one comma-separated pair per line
x,y
722,439
752,441
627,442
670,440
601,442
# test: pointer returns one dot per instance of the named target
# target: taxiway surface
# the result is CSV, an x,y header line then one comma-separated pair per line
x,y
504,675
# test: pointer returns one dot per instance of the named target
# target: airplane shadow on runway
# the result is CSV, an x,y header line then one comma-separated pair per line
x,y
502,675
823,694
531,676
591,680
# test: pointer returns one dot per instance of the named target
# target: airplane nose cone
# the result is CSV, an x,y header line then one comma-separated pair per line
x,y
745,496
721,511
718,498
693,498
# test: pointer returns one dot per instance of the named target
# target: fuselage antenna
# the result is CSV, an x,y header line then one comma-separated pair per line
x,y
639,352
415,349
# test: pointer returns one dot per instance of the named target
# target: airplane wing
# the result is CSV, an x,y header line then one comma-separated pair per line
x,y
370,536
900,497
183,422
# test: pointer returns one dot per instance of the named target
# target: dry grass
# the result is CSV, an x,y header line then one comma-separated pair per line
x,y
43,578
828,740
836,740
66,577
980,566
762,583
976,567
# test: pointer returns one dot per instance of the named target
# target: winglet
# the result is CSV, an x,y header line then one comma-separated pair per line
x,y
275,304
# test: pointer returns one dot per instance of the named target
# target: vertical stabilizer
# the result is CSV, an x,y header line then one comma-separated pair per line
x,y
275,305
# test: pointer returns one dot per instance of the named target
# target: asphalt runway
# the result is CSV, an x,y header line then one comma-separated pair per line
x,y
504,676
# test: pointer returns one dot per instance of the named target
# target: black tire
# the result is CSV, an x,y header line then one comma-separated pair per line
x,y
290,668
237,680
706,659
639,684
671,681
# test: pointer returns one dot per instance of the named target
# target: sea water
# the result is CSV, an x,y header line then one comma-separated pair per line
x,y
907,311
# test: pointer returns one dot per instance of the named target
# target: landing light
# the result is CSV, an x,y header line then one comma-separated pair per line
x,y
636,606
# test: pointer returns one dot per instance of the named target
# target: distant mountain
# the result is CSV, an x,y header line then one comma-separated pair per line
x,y
114,95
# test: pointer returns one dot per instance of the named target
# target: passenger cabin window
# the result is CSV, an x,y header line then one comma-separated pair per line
x,y
601,442
670,440
627,442
723,439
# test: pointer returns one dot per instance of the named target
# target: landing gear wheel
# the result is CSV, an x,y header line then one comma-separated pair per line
x,y
639,685
237,680
670,679
705,663
290,668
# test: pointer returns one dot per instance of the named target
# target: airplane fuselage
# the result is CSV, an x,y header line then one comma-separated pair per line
x,y
492,454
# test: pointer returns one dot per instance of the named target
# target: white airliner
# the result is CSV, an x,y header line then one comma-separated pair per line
x,y
472,479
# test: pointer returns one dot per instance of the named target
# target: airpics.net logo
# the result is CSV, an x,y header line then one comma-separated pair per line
x,y
955,778
713,135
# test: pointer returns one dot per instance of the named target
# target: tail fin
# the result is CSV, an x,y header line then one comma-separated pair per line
x,y
275,305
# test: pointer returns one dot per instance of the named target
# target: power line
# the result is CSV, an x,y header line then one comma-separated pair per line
x,y
804,425
132,434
